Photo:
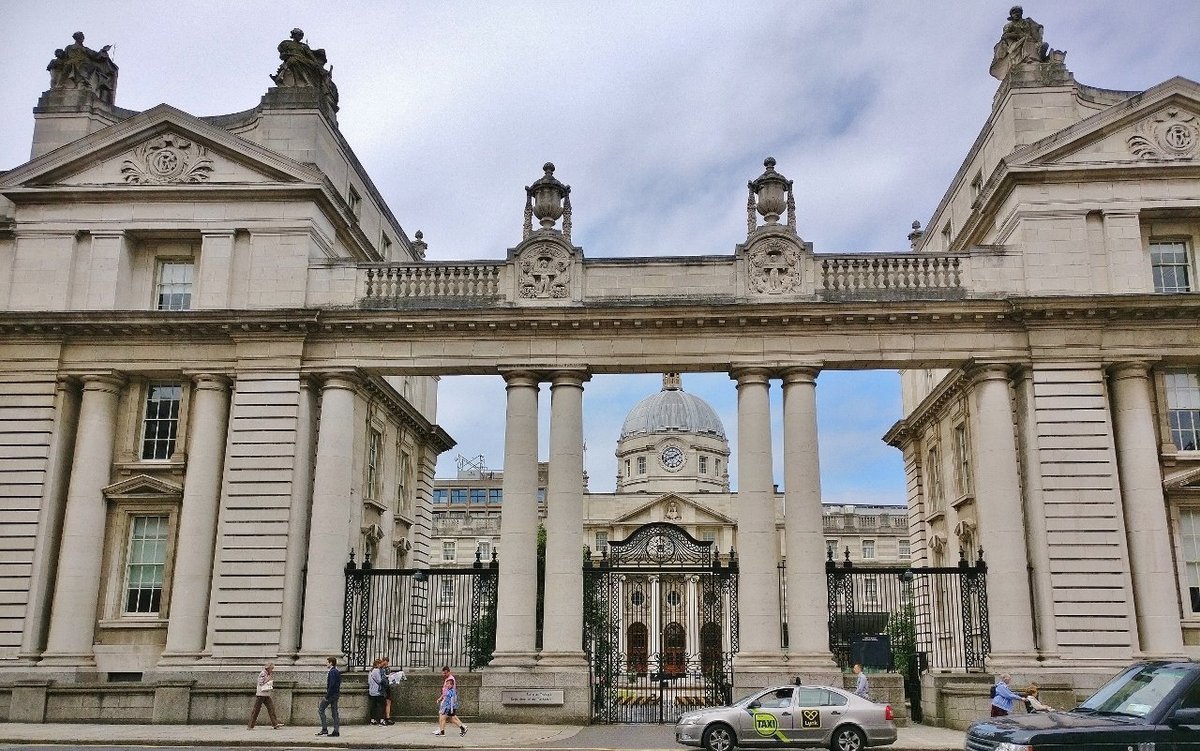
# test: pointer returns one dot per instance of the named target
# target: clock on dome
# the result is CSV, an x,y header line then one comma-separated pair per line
x,y
672,458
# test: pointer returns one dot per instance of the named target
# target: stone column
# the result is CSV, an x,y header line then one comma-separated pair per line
x,y
804,538
298,521
562,634
516,607
1035,519
80,559
1001,517
758,541
654,640
192,580
1154,583
330,540
50,520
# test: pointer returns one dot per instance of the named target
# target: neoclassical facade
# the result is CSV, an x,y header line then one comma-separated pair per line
x,y
219,354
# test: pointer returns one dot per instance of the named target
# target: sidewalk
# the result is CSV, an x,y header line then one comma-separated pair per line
x,y
491,736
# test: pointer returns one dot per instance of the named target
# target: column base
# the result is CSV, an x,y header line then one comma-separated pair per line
x,y
545,694
513,660
756,670
178,659
78,662
315,659
568,659
1013,662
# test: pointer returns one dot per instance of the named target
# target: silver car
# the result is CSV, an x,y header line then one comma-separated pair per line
x,y
790,716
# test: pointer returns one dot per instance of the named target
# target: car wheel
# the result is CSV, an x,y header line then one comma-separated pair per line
x,y
719,738
848,738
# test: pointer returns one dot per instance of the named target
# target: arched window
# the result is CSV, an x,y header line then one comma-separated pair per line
x,y
637,648
674,645
710,648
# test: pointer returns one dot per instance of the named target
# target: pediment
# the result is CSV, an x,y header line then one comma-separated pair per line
x,y
1160,125
161,146
1183,479
142,487
684,511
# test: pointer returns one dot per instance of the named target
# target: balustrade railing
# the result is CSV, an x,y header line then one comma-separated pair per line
x,y
868,273
389,283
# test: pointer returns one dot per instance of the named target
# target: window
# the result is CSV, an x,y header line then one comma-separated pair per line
x,y
441,495
674,598
868,550
145,562
385,247
627,468
446,590
355,201
374,441
831,550
174,285
1189,543
1170,265
458,495
871,589
403,502
444,631
483,549
1183,408
449,551
601,542
641,465
962,459
161,423
541,496
947,235
495,495
716,466
933,479
976,185
905,550
780,698
709,535
478,496
638,598
703,462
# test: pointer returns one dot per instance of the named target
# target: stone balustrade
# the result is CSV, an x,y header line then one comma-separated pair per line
x,y
388,285
868,275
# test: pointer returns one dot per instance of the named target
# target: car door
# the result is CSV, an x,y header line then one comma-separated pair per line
x,y
1179,733
811,720
768,717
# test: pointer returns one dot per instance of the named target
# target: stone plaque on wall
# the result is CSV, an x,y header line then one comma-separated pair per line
x,y
532,696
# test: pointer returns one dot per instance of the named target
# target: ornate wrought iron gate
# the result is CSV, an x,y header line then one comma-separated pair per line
x,y
660,626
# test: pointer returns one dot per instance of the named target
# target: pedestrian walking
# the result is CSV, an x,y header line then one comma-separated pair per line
x,y
376,698
448,704
262,696
860,688
1003,696
1033,703
333,689
387,684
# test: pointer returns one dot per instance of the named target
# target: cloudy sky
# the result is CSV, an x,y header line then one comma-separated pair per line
x,y
656,113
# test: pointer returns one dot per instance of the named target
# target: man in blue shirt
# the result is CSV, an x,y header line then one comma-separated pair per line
x,y
333,688
860,688
1003,696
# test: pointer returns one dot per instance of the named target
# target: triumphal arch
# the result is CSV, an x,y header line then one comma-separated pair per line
x,y
219,354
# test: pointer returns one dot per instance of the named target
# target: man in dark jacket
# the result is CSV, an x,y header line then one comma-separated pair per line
x,y
333,688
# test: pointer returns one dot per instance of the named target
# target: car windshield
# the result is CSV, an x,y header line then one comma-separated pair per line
x,y
1135,692
746,699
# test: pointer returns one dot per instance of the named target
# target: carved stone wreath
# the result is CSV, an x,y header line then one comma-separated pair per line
x,y
544,271
167,159
774,268
1171,134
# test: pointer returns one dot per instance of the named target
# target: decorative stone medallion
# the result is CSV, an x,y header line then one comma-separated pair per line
x,y
544,271
167,159
773,268
1171,134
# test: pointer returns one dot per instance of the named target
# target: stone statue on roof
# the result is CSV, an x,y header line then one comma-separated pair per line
x,y
1020,42
79,67
303,66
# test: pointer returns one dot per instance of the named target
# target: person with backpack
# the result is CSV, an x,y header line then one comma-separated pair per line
x,y
1003,696
448,703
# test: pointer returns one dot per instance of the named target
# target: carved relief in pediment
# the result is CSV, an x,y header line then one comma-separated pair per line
x,y
773,267
167,159
1173,133
544,271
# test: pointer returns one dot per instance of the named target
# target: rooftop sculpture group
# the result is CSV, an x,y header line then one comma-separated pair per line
x,y
1021,43
303,66
78,67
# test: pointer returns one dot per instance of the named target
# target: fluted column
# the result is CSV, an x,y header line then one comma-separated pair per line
x,y
804,538
80,560
758,542
190,585
562,633
50,520
329,539
298,521
1001,517
1154,583
516,607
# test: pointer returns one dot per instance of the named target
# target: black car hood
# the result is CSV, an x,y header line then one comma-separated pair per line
x,y
1024,727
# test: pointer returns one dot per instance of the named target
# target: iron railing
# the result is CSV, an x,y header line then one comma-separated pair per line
x,y
420,617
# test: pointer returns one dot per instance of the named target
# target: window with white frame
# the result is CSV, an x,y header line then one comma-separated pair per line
x,y
355,201
385,248
160,423
831,549
709,535
641,465
145,563
1189,543
449,551
1171,266
933,479
871,589
483,549
174,288
703,464
1183,408
446,590
627,468
445,630
962,459
602,541
868,550
403,481
374,443
905,552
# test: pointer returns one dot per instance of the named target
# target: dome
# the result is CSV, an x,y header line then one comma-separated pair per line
x,y
672,410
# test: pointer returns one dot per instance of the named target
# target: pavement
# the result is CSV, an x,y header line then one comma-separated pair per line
x,y
481,735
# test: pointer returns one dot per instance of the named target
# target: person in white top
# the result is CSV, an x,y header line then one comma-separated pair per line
x,y
262,695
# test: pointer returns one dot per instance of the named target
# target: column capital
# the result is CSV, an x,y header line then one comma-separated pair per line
x,y
516,377
112,382
801,374
107,233
746,375
222,232
210,381
66,383
348,380
569,377
1130,369
988,371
